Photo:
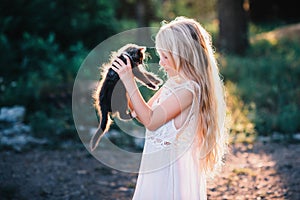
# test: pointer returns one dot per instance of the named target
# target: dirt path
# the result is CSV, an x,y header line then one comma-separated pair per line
x,y
260,171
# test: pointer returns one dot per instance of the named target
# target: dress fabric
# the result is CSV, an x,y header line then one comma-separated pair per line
x,y
169,169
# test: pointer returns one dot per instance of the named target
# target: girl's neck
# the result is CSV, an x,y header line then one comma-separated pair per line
x,y
177,78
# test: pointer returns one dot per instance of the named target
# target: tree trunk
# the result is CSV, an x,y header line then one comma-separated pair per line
x,y
143,14
233,26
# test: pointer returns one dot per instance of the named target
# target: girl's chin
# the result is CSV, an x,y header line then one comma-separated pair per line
x,y
170,71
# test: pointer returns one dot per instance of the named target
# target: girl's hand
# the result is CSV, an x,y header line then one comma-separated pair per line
x,y
123,70
133,114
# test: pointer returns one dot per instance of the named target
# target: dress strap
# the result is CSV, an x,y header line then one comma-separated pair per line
x,y
190,85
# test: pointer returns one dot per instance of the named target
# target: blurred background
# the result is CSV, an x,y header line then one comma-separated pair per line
x,y
44,42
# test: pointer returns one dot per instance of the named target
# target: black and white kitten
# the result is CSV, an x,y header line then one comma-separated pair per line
x,y
110,96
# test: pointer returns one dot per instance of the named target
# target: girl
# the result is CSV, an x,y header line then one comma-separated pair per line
x,y
184,120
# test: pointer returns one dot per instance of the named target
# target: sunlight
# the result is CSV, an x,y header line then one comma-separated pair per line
x,y
241,127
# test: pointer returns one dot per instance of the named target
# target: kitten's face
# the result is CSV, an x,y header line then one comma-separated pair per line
x,y
137,54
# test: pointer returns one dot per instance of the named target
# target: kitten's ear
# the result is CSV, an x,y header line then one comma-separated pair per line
x,y
143,49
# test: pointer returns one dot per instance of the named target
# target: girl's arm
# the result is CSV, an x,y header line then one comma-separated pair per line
x,y
154,97
165,111
150,102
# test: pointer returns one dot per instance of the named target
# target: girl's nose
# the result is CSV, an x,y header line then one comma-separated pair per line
x,y
160,63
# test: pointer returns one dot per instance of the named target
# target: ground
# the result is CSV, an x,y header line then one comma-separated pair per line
x,y
252,171
291,32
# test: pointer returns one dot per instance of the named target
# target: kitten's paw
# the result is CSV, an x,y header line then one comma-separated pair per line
x,y
151,86
158,82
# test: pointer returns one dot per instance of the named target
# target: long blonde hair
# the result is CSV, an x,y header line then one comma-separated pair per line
x,y
190,47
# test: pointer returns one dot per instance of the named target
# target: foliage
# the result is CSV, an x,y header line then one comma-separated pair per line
x,y
267,79
255,29
41,67
42,45
71,21
240,116
56,126
204,9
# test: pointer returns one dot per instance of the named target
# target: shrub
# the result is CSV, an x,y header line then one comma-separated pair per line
x,y
268,78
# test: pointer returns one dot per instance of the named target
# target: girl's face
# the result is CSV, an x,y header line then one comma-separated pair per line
x,y
167,63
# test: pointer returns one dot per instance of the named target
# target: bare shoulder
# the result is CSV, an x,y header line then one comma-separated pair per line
x,y
183,95
179,97
182,86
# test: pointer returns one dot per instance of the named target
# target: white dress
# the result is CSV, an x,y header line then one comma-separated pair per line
x,y
169,170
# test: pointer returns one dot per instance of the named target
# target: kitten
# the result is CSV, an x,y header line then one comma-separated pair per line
x,y
110,96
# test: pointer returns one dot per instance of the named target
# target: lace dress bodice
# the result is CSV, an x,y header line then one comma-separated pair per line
x,y
166,135
167,163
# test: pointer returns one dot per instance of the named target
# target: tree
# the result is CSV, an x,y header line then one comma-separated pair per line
x,y
70,21
274,10
42,41
233,26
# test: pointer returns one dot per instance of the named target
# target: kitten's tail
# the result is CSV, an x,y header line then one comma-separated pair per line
x,y
100,132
